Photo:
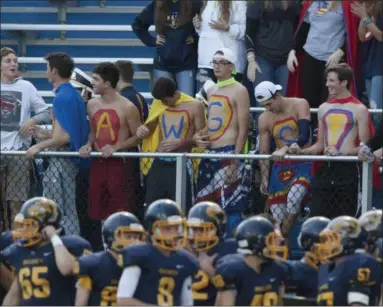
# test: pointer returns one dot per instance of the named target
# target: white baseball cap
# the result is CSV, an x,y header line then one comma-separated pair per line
x,y
265,90
226,54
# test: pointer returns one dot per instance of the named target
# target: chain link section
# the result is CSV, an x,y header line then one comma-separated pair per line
x,y
284,189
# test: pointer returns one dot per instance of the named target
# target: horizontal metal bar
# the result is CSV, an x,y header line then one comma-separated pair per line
x,y
39,60
148,95
54,27
187,155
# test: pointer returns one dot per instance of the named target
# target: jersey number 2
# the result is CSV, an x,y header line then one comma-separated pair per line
x,y
202,283
32,285
165,291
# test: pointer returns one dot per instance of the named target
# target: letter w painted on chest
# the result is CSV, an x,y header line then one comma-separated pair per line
x,y
220,114
175,124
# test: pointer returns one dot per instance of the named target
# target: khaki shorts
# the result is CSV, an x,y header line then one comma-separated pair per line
x,y
15,176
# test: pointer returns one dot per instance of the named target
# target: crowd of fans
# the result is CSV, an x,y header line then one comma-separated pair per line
x,y
278,50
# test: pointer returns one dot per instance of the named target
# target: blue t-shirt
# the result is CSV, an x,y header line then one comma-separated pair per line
x,y
69,110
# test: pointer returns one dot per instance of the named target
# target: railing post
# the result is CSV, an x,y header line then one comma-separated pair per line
x,y
367,187
181,182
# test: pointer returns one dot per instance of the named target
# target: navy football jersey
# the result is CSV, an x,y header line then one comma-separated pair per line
x,y
100,273
355,273
378,252
252,288
204,292
301,278
5,241
162,277
40,280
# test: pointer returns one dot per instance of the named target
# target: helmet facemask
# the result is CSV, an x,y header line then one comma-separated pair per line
x,y
169,234
28,231
201,236
329,245
275,247
127,235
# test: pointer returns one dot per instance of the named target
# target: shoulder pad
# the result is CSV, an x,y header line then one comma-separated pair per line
x,y
85,264
226,273
77,245
136,254
6,239
192,262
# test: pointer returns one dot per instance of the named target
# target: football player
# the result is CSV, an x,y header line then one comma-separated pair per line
x,y
41,258
206,226
371,223
159,272
252,278
302,274
99,272
345,277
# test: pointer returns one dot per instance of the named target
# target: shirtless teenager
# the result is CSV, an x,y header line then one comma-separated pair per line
x,y
344,122
224,181
173,119
113,124
286,121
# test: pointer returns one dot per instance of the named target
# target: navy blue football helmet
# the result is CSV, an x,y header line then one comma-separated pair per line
x,y
309,236
206,226
256,236
342,236
121,229
166,225
35,214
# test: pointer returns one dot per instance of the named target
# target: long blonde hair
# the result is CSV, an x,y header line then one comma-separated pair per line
x,y
224,9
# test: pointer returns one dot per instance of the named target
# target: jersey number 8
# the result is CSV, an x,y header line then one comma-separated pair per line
x,y
165,291
32,284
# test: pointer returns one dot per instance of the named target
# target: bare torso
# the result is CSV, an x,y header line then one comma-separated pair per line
x,y
223,115
109,121
177,122
340,125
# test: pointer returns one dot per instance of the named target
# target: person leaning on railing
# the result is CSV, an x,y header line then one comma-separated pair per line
x,y
19,98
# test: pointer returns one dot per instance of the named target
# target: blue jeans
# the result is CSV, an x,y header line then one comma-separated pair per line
x,y
374,88
377,198
185,79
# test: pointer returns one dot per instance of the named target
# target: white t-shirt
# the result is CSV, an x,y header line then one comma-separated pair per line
x,y
18,100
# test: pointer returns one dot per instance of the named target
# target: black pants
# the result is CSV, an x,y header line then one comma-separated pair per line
x,y
161,183
335,190
313,83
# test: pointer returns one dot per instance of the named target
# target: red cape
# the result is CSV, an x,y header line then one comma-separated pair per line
x,y
377,182
352,52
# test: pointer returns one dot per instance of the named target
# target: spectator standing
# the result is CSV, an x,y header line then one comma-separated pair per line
x,y
19,99
176,41
220,24
370,32
270,29
114,122
326,35
70,132
344,122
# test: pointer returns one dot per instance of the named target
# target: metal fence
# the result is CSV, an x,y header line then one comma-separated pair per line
x,y
187,177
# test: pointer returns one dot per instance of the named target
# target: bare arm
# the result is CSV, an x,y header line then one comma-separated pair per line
x,y
363,120
82,295
264,145
59,138
199,123
378,34
133,121
6,277
362,31
318,147
243,109
13,297
225,298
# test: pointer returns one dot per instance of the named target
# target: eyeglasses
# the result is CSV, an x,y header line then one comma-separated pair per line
x,y
214,63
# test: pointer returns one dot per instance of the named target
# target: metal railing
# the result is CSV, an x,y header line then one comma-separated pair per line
x,y
181,170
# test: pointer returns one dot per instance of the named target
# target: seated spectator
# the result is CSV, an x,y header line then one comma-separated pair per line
x,y
176,41
221,25
19,99
126,88
370,32
70,132
326,36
